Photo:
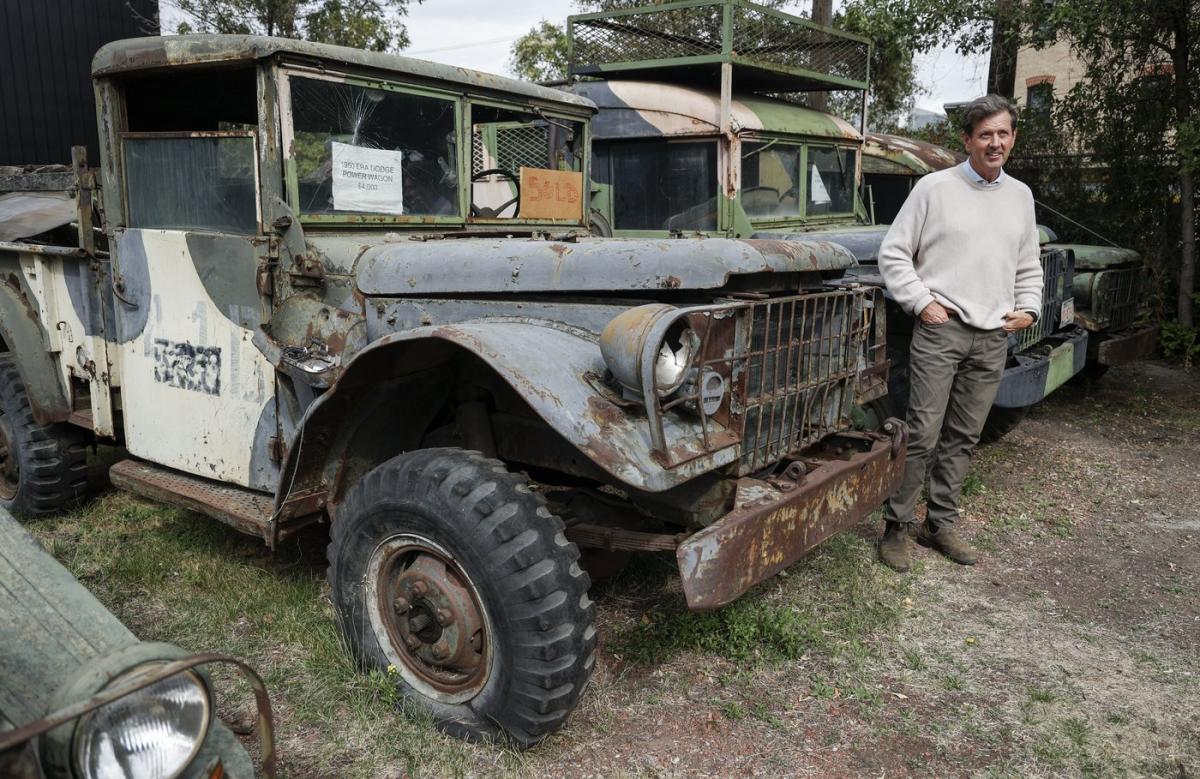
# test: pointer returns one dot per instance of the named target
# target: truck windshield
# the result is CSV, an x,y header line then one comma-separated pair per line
x,y
773,180
830,180
364,150
660,185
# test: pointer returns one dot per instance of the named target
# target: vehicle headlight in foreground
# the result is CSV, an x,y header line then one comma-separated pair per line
x,y
625,340
675,357
154,732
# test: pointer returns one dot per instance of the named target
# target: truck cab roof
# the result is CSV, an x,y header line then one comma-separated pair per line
x,y
170,51
656,109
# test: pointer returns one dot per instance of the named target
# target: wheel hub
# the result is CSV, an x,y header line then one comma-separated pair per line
x,y
432,616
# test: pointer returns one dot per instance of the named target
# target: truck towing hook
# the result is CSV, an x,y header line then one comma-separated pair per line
x,y
898,430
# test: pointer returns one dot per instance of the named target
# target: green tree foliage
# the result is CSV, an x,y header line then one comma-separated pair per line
x,y
1120,150
540,54
363,24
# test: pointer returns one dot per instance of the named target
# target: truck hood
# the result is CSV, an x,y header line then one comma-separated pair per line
x,y
1091,257
863,242
505,265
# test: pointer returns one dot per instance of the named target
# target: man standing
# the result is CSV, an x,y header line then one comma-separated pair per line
x,y
961,256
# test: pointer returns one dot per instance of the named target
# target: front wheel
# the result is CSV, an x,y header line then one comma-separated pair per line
x,y
1001,421
451,573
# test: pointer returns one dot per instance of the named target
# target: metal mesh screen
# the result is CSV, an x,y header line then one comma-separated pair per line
x,y
801,366
757,37
770,40
1057,272
653,35
517,146
1116,297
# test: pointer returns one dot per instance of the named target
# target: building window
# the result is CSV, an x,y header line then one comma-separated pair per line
x,y
1038,99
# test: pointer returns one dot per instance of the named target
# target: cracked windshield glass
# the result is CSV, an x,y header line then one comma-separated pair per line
x,y
361,150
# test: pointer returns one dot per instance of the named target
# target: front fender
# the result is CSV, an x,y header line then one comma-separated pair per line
x,y
555,369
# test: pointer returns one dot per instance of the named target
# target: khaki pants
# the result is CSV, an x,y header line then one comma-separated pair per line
x,y
955,371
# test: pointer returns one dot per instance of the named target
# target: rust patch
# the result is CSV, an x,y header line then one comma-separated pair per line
x,y
671,282
771,528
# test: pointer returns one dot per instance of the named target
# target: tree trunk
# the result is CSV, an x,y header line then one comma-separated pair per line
x,y
822,13
1187,260
1187,192
1002,64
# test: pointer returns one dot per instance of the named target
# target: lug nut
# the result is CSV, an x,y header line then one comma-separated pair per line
x,y
413,642
441,651
444,617
418,588
401,604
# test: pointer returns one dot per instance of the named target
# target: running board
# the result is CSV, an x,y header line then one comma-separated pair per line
x,y
245,510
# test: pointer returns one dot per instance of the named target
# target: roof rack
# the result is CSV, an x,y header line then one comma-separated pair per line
x,y
694,41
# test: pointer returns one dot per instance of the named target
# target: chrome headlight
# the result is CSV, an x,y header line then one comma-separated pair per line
x,y
675,357
154,732
628,337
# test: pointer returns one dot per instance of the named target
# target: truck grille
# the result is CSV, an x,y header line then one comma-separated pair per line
x,y
1058,270
790,370
1115,297
801,367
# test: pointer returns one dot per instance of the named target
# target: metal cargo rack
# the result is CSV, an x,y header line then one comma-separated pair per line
x,y
690,42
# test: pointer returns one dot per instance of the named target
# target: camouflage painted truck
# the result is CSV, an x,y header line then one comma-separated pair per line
x,y
82,698
333,286
679,150
1108,285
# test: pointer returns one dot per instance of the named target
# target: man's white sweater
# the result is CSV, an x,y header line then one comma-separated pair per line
x,y
972,249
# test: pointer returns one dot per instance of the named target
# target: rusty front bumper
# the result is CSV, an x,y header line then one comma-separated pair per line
x,y
776,521
1120,349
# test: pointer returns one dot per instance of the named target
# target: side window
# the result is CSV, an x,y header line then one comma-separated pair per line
x,y
189,151
363,150
660,185
192,183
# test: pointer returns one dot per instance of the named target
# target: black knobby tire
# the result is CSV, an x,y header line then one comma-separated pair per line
x,y
1091,374
1001,421
526,610
43,468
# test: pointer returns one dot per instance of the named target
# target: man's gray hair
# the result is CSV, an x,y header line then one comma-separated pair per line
x,y
982,107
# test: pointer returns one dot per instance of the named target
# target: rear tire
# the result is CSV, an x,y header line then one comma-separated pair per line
x,y
450,573
43,468
1002,421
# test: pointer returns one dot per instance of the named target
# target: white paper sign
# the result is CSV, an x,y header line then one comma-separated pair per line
x,y
367,179
816,190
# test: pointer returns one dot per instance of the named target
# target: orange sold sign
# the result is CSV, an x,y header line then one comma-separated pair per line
x,y
551,194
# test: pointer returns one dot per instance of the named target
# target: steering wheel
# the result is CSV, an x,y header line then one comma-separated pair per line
x,y
492,213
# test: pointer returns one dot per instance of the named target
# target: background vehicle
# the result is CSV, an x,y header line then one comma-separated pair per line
x,y
1109,283
347,287
81,697
679,150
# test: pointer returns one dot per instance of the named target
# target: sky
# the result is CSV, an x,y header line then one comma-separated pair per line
x,y
478,34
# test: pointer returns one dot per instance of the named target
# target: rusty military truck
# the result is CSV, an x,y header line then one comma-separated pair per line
x,y
312,285
1108,283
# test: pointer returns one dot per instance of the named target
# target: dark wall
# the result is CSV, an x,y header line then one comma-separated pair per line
x,y
46,48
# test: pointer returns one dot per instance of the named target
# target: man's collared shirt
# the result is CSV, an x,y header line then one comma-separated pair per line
x,y
974,176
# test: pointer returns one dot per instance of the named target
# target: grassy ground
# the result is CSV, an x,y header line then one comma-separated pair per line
x,y
1069,651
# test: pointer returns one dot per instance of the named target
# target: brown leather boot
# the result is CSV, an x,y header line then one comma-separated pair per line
x,y
947,541
895,549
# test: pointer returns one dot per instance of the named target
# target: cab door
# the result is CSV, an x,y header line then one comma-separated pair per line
x,y
197,395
